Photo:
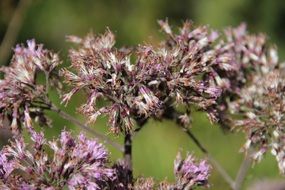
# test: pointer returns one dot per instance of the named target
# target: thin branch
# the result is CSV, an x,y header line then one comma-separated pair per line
x,y
172,114
215,163
47,83
244,167
195,140
13,30
86,128
128,156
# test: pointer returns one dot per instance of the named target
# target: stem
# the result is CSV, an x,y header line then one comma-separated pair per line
x,y
244,167
47,83
86,128
128,156
196,141
13,30
215,163
172,114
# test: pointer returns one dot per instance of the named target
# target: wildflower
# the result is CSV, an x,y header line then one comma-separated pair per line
x,y
261,112
190,57
106,73
189,173
74,163
180,70
19,90
246,55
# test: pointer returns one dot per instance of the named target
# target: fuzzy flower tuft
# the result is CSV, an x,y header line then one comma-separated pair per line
x,y
246,55
19,90
261,111
190,173
179,71
73,163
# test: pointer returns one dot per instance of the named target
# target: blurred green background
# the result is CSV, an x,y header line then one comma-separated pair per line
x,y
135,22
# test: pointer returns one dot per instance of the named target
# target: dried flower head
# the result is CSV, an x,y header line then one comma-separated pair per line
x,y
20,90
74,163
260,110
178,71
185,61
103,71
247,55
251,97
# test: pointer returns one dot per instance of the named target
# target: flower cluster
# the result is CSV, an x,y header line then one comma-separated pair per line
x,y
249,54
81,164
235,77
252,92
178,71
74,163
189,174
104,72
19,90
261,111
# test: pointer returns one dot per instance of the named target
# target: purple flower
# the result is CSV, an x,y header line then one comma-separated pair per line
x,y
261,114
19,90
74,163
178,71
190,173
245,55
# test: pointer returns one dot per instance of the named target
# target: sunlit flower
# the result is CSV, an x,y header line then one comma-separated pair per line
x,y
178,71
74,163
19,90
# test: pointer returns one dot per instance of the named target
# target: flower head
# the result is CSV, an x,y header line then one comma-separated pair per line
x,y
246,55
178,71
19,89
74,163
260,110
190,173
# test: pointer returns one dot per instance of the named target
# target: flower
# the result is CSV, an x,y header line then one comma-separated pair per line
x,y
105,72
246,54
189,173
261,112
73,163
144,184
178,71
19,90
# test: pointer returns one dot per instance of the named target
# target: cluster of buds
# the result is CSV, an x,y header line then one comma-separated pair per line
x,y
19,89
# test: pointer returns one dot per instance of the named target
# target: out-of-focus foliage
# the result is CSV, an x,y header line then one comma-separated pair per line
x,y
135,22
